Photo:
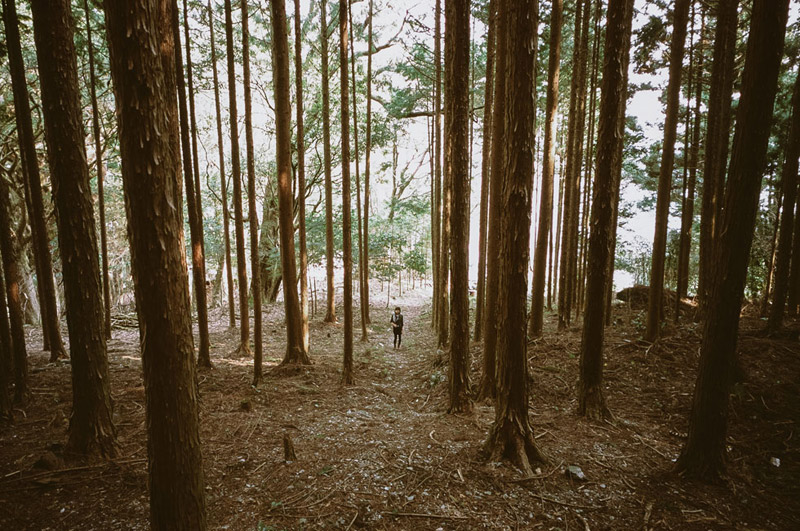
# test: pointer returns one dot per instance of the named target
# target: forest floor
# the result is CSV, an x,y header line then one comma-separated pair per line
x,y
384,454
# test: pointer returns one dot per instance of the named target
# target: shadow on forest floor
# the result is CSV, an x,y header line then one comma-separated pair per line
x,y
383,454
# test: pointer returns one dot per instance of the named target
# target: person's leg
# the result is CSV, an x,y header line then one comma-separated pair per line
x,y
399,338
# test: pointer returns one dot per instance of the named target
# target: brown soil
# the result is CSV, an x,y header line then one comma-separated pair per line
x,y
383,454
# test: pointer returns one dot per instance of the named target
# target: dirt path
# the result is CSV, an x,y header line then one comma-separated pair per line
x,y
383,454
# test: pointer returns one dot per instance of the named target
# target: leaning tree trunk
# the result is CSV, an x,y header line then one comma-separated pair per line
x,y
283,118
511,434
347,244
238,215
548,168
144,85
91,430
252,214
13,283
704,453
194,215
654,309
716,142
591,400
101,174
330,307
30,164
301,175
457,53
789,180
794,270
480,299
198,251
222,176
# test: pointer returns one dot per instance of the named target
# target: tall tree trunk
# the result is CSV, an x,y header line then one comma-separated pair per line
x,y
548,167
203,356
101,174
511,435
283,119
330,311
91,430
457,56
241,257
145,95
252,214
789,184
222,176
195,217
6,362
687,208
617,174
717,138
680,18
591,401
361,272
301,174
480,300
704,452
347,244
444,242
30,166
367,170
570,201
778,197
13,283
794,269
487,386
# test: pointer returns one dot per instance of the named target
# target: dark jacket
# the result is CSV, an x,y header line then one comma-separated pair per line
x,y
398,319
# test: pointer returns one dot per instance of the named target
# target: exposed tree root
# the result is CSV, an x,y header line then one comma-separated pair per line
x,y
515,443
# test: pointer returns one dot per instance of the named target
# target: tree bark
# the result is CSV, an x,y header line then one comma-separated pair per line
x,y
13,282
144,85
347,244
794,269
301,175
457,56
241,257
101,174
548,168
487,387
680,17
195,216
444,241
330,309
687,208
91,430
6,361
361,271
222,176
704,453
570,185
367,170
716,143
30,166
480,299
511,434
252,214
283,112
591,400
789,185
